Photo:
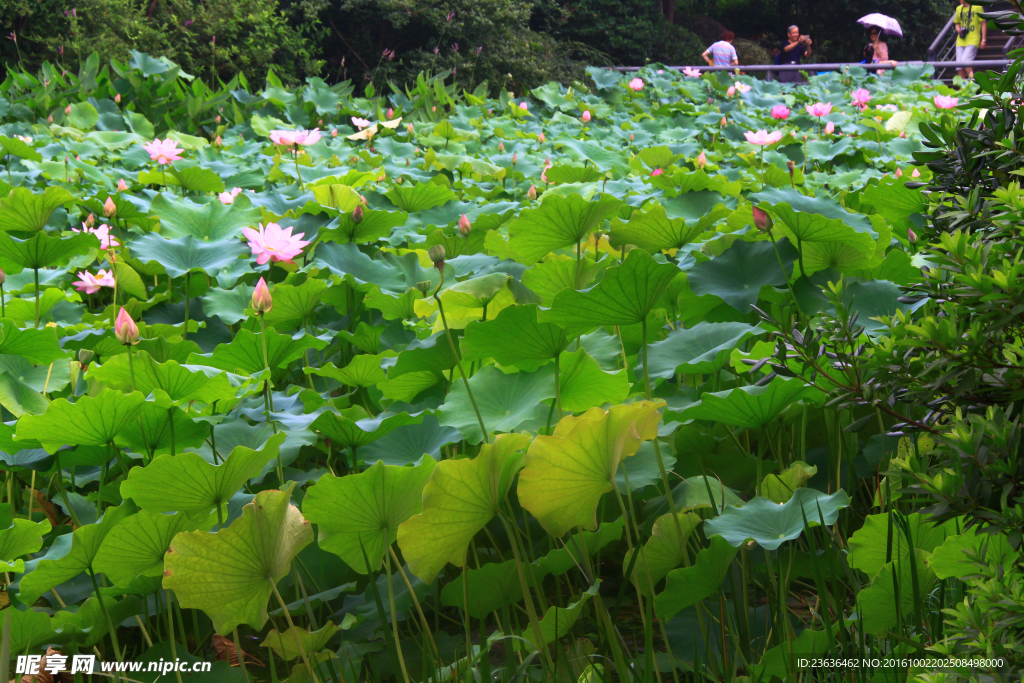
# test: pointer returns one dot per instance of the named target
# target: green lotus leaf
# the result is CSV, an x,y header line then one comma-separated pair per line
x,y
604,159
186,254
160,429
71,554
366,338
358,516
505,401
244,354
584,385
770,524
569,556
354,428
89,421
433,354
877,604
231,574
653,231
955,556
489,588
388,272
43,249
893,199
750,407
209,222
547,278
363,371
460,499
28,629
21,538
870,545
374,226
557,622
705,207
408,386
689,585
408,444
230,305
702,349
180,383
336,196
83,115
626,295
190,178
295,304
37,346
515,337
780,487
284,644
663,552
19,148
24,211
187,483
137,545
737,275
564,173
778,662
476,292
567,473
557,223
816,219
22,384
419,197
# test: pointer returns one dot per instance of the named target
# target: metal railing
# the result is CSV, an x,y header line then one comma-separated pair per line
x,y
977,65
944,43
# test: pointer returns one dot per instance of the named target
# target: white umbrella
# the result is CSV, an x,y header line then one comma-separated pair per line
x,y
888,25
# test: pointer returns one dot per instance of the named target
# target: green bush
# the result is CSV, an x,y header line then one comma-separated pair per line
x,y
707,30
625,30
750,52
677,46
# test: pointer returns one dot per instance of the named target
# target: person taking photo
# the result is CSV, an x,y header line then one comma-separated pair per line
x,y
791,51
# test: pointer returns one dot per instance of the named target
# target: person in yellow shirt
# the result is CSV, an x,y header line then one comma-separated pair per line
x,y
971,32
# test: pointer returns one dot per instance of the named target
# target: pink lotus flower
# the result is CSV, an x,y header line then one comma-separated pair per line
x,y
742,87
391,115
261,299
780,111
121,186
125,329
820,109
943,102
24,138
163,151
218,142
109,207
691,72
656,172
763,137
291,138
903,134
899,172
830,128
228,196
915,174
731,91
90,284
274,243
540,138
861,97
102,234
586,117
524,106
636,84
702,160
723,122
334,132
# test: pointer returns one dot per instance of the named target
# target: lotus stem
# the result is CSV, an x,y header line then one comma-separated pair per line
x,y
295,156
106,615
394,618
291,626
458,361
268,401
531,612
35,272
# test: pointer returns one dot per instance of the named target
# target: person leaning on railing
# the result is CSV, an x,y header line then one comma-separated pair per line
x,y
971,32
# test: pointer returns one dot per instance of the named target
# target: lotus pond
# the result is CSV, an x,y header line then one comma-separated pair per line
x,y
459,387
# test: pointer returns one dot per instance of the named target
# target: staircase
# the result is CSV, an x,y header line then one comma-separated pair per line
x,y
997,45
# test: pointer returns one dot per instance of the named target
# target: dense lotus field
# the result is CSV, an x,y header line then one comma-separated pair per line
x,y
393,387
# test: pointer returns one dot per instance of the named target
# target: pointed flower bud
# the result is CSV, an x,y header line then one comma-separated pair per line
x,y
540,139
531,194
762,220
515,158
109,208
261,300
121,185
3,277
125,330
501,146
90,221
702,160
911,236
117,98
436,254
631,137
391,113
357,214
409,129
464,226
586,116
362,200
791,166
217,142
723,122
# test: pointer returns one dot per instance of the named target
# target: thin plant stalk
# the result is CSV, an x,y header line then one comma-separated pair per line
x,y
527,596
291,627
458,361
268,401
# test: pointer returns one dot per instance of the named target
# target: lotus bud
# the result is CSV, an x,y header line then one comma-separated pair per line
x,y
125,330
531,194
830,128
217,119
334,132
261,299
915,174
434,108
631,137
501,147
464,226
109,208
399,180
911,236
540,139
67,109
409,129
362,200
391,113
121,185
515,158
3,277
217,142
762,220
117,98
903,134
436,254
899,172
90,221
586,117
702,160
792,167
49,119
423,286
85,356
357,214
722,122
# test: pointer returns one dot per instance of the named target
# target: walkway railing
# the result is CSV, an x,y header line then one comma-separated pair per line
x,y
770,69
